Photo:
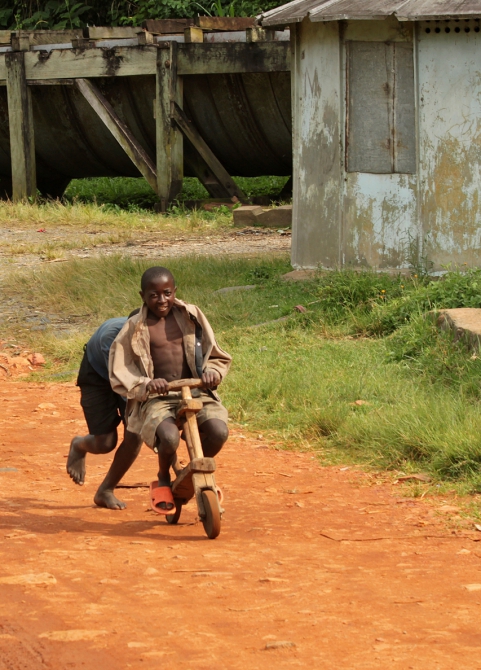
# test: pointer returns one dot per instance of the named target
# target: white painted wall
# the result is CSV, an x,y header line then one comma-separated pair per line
x,y
317,168
449,70
371,219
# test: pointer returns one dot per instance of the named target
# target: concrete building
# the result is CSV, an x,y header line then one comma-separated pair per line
x,y
387,131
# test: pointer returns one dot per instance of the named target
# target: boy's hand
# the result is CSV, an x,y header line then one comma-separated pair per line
x,y
211,379
160,386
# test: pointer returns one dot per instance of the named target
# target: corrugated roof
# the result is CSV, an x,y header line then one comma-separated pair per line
x,y
336,10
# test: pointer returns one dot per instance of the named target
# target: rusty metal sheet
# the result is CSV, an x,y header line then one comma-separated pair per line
x,y
369,108
404,121
245,119
381,123
336,10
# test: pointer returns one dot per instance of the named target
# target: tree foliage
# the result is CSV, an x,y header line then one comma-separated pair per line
x,y
68,14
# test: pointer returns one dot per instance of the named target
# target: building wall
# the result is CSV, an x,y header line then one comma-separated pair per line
x,y
449,66
317,166
383,220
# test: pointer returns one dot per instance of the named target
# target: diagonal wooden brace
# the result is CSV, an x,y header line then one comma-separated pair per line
x,y
192,134
119,130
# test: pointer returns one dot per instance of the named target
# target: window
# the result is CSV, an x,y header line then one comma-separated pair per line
x,y
381,121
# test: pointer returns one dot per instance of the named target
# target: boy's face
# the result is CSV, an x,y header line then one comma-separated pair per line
x,y
159,296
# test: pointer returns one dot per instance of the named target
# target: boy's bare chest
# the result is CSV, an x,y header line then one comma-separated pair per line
x,y
165,334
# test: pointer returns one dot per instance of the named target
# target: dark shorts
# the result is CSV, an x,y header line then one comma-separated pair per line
x,y
103,409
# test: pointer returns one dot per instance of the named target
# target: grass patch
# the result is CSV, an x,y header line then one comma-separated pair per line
x,y
133,194
363,338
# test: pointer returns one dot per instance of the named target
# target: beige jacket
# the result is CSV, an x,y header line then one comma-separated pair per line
x,y
130,363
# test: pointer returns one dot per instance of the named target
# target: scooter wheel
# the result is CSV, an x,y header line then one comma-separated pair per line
x,y
211,521
173,518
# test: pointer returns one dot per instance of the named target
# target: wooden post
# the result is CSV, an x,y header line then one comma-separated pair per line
x,y
20,120
169,140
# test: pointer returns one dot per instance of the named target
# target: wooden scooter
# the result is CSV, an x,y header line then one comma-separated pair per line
x,y
197,478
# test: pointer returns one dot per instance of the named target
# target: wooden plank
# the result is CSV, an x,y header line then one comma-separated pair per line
x,y
119,130
111,32
169,141
224,23
191,133
167,26
88,63
232,58
39,37
20,119
142,60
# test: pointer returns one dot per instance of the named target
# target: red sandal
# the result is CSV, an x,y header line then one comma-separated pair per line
x,y
161,494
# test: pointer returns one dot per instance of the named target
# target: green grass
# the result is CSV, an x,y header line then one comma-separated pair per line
x,y
134,194
297,381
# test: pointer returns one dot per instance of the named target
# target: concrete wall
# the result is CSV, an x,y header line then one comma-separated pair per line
x,y
317,166
449,70
379,220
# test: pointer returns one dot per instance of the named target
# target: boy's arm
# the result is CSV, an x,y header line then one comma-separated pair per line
x,y
218,361
126,377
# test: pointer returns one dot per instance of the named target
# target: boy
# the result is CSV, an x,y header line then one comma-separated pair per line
x,y
103,410
168,340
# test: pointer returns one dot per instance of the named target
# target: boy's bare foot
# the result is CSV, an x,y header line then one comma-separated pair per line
x,y
76,462
106,498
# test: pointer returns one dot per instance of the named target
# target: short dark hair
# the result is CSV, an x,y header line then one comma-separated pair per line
x,y
155,273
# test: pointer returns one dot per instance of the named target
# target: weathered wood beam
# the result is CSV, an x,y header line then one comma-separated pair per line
x,y
169,141
233,58
167,26
119,130
192,134
221,58
20,120
224,23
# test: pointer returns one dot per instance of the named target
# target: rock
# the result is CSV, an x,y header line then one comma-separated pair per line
x,y
151,571
36,359
41,578
299,275
465,322
280,644
75,635
473,587
46,405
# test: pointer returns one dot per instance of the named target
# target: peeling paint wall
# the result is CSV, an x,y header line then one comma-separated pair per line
x,y
449,66
378,220
317,168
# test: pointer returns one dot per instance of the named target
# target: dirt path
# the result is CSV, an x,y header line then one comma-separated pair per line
x,y
57,245
315,567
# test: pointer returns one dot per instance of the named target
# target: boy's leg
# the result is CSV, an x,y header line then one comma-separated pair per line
x,y
103,411
89,444
168,438
213,435
124,457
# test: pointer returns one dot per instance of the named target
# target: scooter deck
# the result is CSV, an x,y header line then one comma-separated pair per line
x,y
183,486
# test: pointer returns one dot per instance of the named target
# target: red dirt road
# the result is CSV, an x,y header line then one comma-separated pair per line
x,y
314,568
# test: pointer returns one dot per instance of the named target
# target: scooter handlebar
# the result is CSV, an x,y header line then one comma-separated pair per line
x,y
192,383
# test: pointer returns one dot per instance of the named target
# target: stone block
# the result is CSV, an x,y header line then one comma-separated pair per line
x,y
247,215
464,322
272,217
276,217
